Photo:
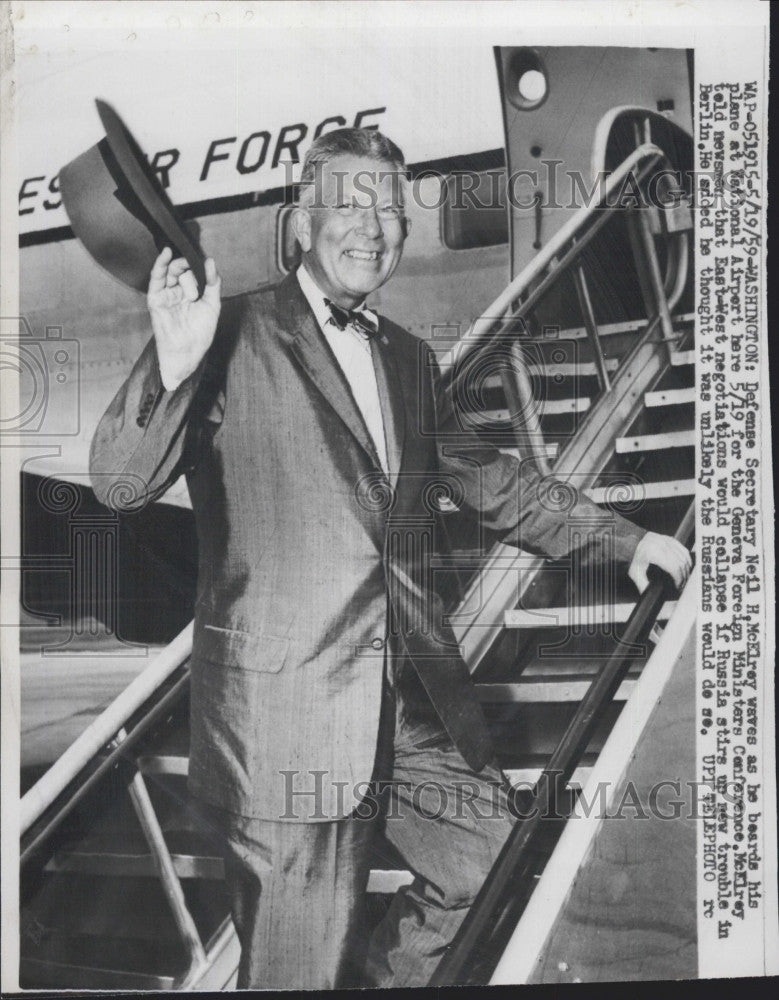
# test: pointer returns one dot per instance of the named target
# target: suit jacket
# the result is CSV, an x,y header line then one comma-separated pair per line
x,y
311,559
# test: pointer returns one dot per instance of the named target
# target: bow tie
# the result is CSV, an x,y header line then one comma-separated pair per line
x,y
357,317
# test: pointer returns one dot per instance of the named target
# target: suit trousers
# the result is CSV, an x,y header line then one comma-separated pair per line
x,y
298,889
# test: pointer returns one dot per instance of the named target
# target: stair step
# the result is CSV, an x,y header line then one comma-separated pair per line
x,y
528,776
606,330
186,867
670,397
533,692
546,408
104,962
624,493
656,442
187,828
38,972
164,764
133,865
388,881
133,908
550,449
681,358
581,666
565,369
583,616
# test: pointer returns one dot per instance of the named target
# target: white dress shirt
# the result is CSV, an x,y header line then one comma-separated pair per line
x,y
353,353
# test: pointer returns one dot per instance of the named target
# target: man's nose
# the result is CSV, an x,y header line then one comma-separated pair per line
x,y
369,224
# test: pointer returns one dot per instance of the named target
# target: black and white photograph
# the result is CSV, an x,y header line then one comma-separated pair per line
x,y
387,569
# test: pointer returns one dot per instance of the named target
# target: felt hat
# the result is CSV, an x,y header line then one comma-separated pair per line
x,y
119,211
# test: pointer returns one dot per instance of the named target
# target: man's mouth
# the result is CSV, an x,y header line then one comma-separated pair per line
x,y
363,254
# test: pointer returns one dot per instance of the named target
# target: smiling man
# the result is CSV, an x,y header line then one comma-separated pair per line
x,y
329,699
351,222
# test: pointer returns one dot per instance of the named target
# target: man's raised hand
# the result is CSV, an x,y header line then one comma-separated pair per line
x,y
183,324
663,551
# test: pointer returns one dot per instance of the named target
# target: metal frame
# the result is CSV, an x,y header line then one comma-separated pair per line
x,y
519,962
104,729
500,891
509,883
562,253
593,216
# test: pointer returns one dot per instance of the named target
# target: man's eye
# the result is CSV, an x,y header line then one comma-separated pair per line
x,y
389,212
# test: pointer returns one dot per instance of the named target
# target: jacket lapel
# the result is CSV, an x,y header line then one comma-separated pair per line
x,y
319,362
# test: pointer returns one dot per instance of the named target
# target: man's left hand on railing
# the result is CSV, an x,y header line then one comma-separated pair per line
x,y
664,552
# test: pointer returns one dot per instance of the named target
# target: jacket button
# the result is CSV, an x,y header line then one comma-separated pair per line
x,y
377,643
141,421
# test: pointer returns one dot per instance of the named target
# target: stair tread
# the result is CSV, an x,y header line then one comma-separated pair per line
x,y
607,329
670,397
388,880
545,408
681,358
184,834
120,955
111,864
534,692
530,775
37,973
552,369
622,492
582,615
551,450
168,763
655,442
575,667
134,864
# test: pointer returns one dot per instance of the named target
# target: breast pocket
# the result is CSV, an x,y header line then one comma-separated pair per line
x,y
254,651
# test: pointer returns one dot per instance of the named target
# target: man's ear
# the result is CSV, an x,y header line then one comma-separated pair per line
x,y
301,227
406,224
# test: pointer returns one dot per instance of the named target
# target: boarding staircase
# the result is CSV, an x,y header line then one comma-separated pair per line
x,y
121,881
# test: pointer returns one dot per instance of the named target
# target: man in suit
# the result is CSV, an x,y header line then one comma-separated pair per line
x,y
307,428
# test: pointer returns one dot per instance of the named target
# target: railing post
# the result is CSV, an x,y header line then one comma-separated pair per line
x,y
591,326
171,884
518,390
655,277
650,251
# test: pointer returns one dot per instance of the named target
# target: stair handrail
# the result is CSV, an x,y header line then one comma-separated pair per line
x,y
490,903
607,122
103,729
478,334
532,931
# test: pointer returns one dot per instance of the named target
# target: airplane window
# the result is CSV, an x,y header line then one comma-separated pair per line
x,y
287,247
532,85
527,82
474,212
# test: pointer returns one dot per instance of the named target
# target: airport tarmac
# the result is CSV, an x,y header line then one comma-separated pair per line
x,y
67,680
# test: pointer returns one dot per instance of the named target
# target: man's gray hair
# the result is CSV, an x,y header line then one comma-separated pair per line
x,y
367,143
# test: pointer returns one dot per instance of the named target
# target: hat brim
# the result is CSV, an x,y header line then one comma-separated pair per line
x,y
118,209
